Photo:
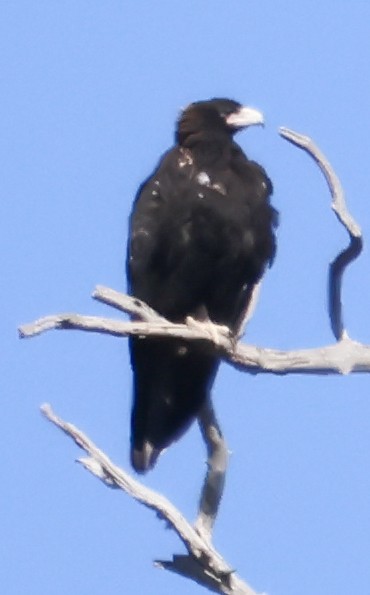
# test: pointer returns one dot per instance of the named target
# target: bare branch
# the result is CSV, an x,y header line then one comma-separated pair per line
x,y
126,303
214,481
187,567
354,248
157,326
203,563
335,187
336,270
341,358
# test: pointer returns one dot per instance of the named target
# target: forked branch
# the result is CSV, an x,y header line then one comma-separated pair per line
x,y
340,358
203,563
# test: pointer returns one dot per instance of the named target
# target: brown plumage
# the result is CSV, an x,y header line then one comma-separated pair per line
x,y
201,234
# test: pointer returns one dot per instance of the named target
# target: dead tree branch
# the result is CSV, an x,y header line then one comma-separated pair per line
x,y
214,480
353,250
203,563
340,358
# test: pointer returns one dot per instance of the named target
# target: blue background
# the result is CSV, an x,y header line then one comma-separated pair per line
x,y
89,95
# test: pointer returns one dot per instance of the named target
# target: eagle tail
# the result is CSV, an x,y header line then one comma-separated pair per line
x,y
172,379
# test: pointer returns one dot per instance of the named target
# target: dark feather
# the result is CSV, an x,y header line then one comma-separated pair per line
x,y
201,232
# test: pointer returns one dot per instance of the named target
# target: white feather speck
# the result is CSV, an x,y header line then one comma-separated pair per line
x,y
182,350
140,232
186,157
203,178
219,188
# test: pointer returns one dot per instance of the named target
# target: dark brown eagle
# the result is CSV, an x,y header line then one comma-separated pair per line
x,y
201,235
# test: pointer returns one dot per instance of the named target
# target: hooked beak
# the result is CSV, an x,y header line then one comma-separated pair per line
x,y
245,116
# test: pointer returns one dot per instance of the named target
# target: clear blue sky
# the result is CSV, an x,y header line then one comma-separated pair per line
x,y
89,94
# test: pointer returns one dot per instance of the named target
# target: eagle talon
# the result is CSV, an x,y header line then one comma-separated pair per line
x,y
207,326
234,340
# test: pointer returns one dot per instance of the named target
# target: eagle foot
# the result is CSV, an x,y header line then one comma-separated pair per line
x,y
209,327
